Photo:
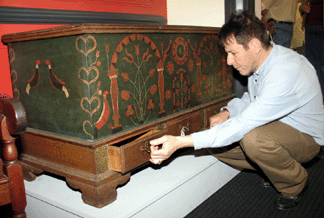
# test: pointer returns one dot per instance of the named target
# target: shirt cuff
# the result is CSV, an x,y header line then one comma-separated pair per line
x,y
200,139
232,110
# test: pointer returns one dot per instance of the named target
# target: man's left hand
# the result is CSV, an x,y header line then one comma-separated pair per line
x,y
218,118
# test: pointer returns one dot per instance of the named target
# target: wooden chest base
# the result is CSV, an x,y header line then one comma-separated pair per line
x,y
97,168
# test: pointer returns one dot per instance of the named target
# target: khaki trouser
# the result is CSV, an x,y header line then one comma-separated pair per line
x,y
278,150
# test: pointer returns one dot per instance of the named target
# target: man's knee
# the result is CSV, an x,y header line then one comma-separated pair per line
x,y
252,143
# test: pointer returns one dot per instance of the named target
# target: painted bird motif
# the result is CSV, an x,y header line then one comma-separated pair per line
x,y
56,83
34,81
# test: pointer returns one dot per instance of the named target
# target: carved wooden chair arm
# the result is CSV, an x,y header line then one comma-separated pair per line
x,y
12,123
15,114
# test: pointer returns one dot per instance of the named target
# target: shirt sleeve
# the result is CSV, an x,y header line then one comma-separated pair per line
x,y
236,105
276,99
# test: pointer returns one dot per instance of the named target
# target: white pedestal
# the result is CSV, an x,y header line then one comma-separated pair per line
x,y
173,190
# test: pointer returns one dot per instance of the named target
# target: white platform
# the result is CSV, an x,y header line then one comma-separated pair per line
x,y
172,190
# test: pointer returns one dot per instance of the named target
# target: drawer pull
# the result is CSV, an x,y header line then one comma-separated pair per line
x,y
146,147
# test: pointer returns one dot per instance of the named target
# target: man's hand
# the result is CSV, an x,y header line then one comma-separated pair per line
x,y
219,118
270,27
162,148
306,8
264,12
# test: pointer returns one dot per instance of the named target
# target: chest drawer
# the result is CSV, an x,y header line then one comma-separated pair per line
x,y
211,111
133,152
186,125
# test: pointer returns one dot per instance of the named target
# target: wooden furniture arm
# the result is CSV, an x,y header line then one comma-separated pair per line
x,y
13,122
15,113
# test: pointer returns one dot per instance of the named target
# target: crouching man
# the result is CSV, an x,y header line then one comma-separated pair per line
x,y
279,122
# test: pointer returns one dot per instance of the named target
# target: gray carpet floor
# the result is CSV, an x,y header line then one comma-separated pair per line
x,y
244,197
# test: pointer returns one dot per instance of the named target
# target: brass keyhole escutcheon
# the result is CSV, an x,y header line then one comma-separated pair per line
x,y
146,147
187,126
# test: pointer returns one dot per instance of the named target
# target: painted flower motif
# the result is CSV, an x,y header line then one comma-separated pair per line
x,y
129,57
99,84
107,48
170,68
125,95
98,63
219,75
137,50
97,54
177,91
206,90
146,56
186,100
150,104
218,88
191,65
204,78
185,89
168,94
151,73
130,110
204,63
178,102
153,89
193,88
125,76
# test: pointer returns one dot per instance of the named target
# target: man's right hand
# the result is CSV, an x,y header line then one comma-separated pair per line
x,y
306,8
264,12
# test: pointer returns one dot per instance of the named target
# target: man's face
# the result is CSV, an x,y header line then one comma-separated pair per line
x,y
240,58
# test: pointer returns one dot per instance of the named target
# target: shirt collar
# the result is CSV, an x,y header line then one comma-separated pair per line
x,y
266,63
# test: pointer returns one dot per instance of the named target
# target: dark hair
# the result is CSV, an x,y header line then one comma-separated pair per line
x,y
244,27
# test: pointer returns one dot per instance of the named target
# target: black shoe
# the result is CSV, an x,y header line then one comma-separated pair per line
x,y
286,203
321,153
265,183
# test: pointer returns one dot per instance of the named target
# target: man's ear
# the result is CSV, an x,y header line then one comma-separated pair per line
x,y
255,45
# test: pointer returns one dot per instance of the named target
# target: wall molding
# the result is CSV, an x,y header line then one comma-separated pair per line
x,y
17,15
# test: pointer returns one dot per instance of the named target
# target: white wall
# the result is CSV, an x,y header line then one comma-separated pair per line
x,y
202,12
258,8
196,13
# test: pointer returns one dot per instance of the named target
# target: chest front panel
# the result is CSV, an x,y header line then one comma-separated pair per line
x,y
93,85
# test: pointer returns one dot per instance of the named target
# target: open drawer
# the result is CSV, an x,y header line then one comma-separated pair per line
x,y
133,152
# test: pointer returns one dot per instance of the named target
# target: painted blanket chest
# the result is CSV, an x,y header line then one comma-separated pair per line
x,y
96,94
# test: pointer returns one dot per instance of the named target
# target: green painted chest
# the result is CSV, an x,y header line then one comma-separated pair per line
x,y
95,94
103,79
